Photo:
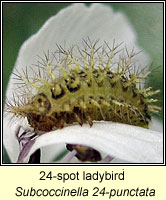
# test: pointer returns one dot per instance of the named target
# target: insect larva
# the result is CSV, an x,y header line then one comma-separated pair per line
x,y
91,86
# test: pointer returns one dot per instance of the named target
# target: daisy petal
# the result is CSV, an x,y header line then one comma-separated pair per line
x,y
9,139
130,143
50,152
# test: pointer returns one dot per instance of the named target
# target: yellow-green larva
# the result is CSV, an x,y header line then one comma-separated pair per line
x,y
91,86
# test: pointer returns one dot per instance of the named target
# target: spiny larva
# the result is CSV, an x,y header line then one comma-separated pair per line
x,y
82,85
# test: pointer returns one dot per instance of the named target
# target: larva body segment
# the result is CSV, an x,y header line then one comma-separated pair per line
x,y
89,87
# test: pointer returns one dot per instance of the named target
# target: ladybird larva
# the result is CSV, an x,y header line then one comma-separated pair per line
x,y
91,86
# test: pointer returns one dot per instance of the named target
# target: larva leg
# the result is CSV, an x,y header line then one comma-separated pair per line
x,y
89,120
78,119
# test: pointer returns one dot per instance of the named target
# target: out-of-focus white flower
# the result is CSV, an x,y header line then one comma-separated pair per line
x,y
70,26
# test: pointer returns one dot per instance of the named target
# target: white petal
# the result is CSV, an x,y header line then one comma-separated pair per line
x,y
155,125
130,143
71,25
50,152
9,139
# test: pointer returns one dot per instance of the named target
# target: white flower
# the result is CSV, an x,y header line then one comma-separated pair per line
x,y
72,24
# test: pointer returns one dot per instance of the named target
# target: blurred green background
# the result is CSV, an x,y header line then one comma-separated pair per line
x,y
21,20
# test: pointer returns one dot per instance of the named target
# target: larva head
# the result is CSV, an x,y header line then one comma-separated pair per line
x,y
43,109
38,104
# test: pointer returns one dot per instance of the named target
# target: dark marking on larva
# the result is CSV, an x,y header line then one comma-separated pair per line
x,y
82,74
125,89
121,100
118,111
100,84
113,85
76,109
112,97
42,102
58,96
40,122
134,91
142,99
73,89
97,76
147,115
125,114
89,84
145,107
144,121
123,81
